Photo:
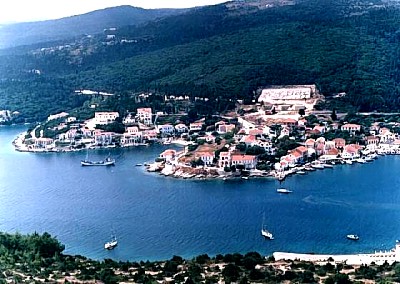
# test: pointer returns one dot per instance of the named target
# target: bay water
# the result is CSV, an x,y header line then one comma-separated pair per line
x,y
156,217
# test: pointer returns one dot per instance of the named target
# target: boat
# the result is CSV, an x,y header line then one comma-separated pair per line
x,y
111,244
301,172
283,190
106,162
245,177
353,237
360,160
139,165
349,162
264,232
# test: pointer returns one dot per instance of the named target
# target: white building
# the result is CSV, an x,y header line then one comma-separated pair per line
x,y
144,115
165,129
103,118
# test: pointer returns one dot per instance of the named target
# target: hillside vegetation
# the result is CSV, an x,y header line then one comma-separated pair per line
x,y
224,55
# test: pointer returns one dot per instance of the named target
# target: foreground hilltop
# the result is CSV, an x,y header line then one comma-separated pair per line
x,y
38,258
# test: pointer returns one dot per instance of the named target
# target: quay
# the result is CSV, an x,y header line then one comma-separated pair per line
x,y
378,257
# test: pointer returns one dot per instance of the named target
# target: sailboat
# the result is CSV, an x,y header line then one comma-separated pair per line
x,y
106,162
264,232
111,244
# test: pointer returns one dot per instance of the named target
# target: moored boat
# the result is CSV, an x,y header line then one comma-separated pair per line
x,y
283,190
106,162
111,244
353,237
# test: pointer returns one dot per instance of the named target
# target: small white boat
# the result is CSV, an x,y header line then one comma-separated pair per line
x,y
353,237
111,244
264,232
301,172
349,162
283,190
360,160
139,165
245,178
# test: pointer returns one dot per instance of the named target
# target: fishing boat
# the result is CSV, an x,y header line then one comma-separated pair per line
x,y
106,162
353,237
264,232
111,244
283,190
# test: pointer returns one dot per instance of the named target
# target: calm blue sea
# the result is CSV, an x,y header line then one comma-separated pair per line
x,y
156,217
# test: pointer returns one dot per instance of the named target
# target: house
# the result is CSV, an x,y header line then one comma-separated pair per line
x,y
128,139
181,128
284,132
103,118
372,140
350,152
310,143
225,128
165,129
224,159
103,138
249,140
144,115
319,129
133,130
206,157
43,143
248,161
351,128
70,119
330,155
247,125
168,155
386,136
150,134
129,119
340,143
196,126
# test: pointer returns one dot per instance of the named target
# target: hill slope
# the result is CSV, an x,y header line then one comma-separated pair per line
x,y
89,23
223,53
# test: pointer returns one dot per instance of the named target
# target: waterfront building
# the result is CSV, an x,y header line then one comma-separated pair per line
x,y
248,161
224,159
103,138
43,143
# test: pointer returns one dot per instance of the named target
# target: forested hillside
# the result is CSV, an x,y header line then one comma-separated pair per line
x,y
224,54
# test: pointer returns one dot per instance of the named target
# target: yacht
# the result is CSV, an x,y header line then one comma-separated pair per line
x,y
352,237
111,244
283,190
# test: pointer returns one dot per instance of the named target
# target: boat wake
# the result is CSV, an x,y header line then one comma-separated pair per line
x,y
327,201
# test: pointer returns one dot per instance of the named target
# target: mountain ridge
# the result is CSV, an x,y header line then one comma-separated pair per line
x,y
17,34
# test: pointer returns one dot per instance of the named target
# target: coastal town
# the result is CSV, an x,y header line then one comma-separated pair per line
x,y
277,135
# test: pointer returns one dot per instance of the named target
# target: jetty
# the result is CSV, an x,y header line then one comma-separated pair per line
x,y
378,257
